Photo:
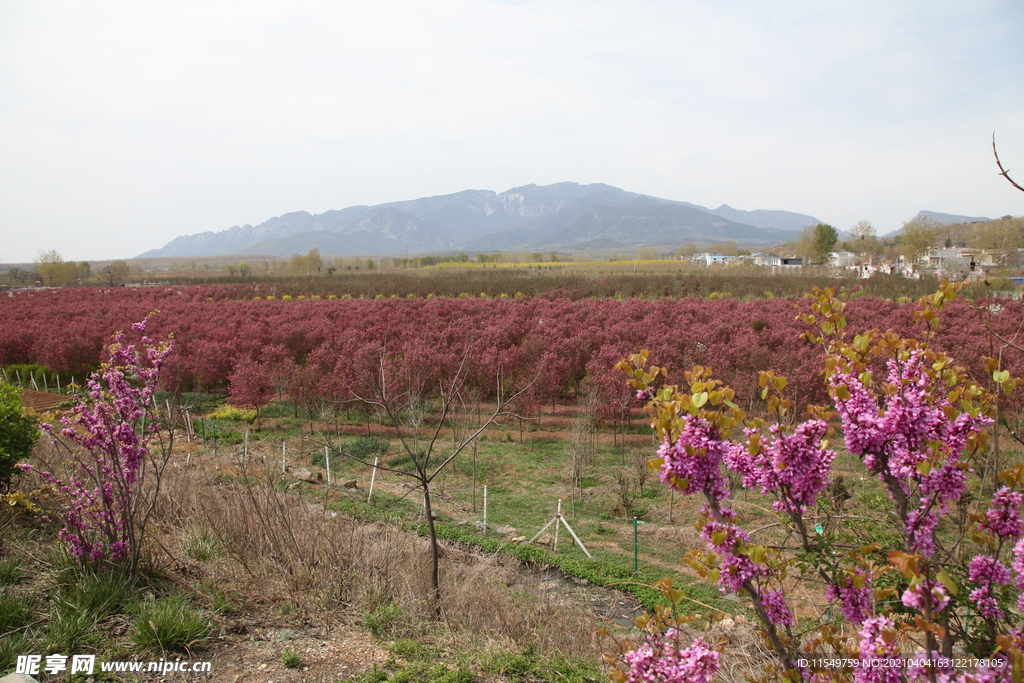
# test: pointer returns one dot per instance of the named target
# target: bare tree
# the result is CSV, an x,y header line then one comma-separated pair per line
x,y
428,454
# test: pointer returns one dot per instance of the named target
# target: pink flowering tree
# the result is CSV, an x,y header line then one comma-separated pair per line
x,y
111,452
920,425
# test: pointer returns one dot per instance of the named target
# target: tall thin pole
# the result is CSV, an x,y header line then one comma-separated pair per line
x,y
636,545
373,478
558,520
485,508
327,461
283,468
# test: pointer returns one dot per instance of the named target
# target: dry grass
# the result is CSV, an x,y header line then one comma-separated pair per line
x,y
282,547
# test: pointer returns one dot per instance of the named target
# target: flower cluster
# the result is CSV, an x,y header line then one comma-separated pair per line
x,y
878,642
660,661
795,467
694,463
855,592
774,603
896,437
987,572
911,438
735,567
1003,516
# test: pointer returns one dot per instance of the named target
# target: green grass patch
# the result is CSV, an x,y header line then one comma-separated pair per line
x,y
291,659
11,571
169,624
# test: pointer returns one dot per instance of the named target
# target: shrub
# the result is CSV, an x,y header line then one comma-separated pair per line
x,y
18,433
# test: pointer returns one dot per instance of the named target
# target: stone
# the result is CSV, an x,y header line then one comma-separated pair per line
x,y
18,678
351,484
506,530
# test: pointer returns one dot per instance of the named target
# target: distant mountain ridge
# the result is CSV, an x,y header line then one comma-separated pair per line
x,y
940,218
559,216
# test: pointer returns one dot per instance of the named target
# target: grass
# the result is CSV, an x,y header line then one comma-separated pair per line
x,y
201,544
11,571
169,624
384,620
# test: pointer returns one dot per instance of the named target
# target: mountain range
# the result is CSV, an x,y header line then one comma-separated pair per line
x,y
564,216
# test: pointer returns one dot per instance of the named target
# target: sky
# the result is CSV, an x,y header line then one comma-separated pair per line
x,y
126,124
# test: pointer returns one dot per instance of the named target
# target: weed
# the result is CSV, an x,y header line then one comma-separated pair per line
x,y
11,571
382,620
170,623
70,628
286,634
12,645
368,446
374,675
91,590
201,544
15,611
291,659
407,648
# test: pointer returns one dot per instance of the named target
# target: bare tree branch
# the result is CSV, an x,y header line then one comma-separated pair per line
x,y
1002,171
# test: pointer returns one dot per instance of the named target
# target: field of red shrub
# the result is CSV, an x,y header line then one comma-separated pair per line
x,y
320,348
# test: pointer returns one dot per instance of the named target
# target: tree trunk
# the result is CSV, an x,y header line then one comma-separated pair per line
x,y
435,583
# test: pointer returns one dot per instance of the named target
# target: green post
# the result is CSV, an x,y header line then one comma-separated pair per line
x,y
202,429
213,426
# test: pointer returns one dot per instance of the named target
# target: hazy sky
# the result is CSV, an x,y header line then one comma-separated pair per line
x,y
125,124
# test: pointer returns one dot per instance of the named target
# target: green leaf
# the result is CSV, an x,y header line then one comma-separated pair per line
x,y
947,581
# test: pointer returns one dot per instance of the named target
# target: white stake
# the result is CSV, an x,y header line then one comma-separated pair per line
x,y
245,448
282,457
558,518
485,508
373,478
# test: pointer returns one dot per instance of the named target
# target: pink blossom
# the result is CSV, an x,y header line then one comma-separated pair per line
x,y
660,661
875,648
735,569
775,607
1003,516
857,603
694,462
794,467
915,596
